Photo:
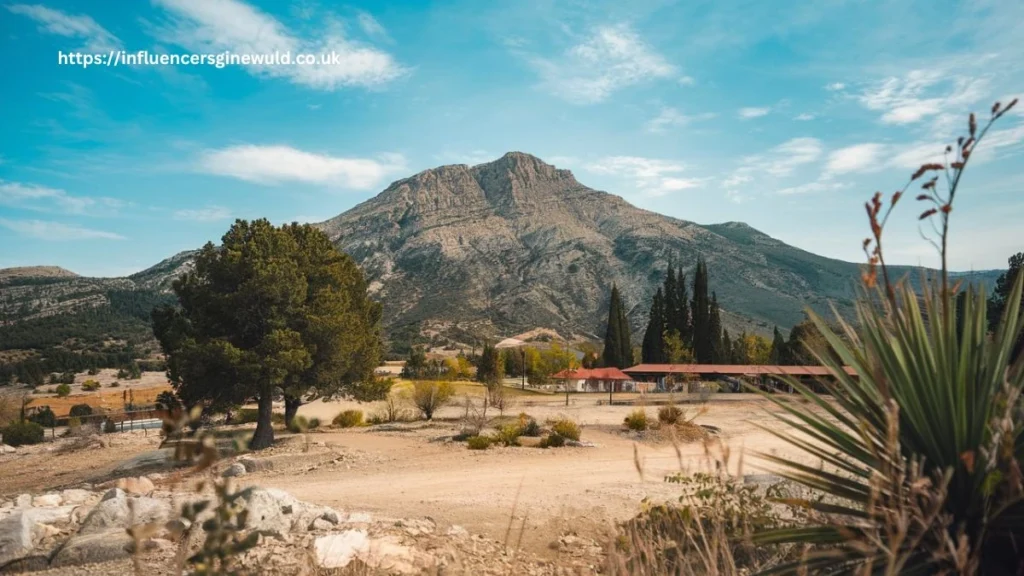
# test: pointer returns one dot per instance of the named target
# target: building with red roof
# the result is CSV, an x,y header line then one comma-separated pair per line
x,y
595,380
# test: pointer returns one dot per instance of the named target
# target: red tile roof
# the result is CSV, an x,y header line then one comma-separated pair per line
x,y
592,374
732,369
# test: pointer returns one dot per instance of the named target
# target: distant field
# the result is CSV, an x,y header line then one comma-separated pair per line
x,y
143,391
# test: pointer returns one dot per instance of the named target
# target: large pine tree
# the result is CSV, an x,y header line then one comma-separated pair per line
x,y
653,349
701,315
612,355
779,353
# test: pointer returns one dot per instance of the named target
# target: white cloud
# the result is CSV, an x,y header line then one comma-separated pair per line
x,y
735,196
805,117
96,38
652,176
219,25
922,94
857,158
611,59
371,27
208,214
44,230
822,184
687,81
835,86
748,113
673,118
44,199
276,164
778,162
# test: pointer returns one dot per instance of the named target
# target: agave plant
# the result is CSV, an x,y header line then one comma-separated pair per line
x,y
920,447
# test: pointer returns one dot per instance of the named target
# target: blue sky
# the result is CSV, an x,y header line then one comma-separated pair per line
x,y
709,111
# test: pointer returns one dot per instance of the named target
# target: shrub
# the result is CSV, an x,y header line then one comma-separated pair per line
x,y
63,390
246,416
528,426
391,412
74,423
429,397
670,414
508,435
552,441
109,426
168,400
299,425
567,429
80,410
314,423
636,420
115,384
478,442
90,385
93,371
44,417
21,433
373,389
348,419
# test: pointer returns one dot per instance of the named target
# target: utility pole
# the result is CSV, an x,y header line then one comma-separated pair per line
x,y
522,353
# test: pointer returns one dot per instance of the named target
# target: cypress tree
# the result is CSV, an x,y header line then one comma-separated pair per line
x,y
612,355
625,340
682,318
715,332
778,347
653,349
701,315
672,304
728,354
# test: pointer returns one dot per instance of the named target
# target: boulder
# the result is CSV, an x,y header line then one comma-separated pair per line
x,y
254,465
98,546
155,458
76,496
5,449
236,469
122,513
47,501
20,531
142,486
112,493
277,512
24,501
338,550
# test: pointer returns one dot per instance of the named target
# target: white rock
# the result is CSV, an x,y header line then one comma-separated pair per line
x,y
236,469
5,449
278,512
76,496
321,525
338,550
20,530
24,501
359,518
96,547
457,532
47,501
122,513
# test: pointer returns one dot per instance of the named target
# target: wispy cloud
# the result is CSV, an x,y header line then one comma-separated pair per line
x,y
371,27
208,214
611,59
673,118
751,112
687,80
835,87
856,158
783,159
277,164
805,117
822,184
56,231
921,94
654,177
95,38
44,199
217,25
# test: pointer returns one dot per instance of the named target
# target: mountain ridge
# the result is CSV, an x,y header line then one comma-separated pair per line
x,y
463,253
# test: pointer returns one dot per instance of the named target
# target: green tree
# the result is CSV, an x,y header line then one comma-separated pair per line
x,y
270,309
804,340
778,353
701,315
490,368
612,355
680,320
653,348
997,303
415,364
718,353
625,343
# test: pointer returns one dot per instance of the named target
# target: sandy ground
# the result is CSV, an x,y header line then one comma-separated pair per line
x,y
415,471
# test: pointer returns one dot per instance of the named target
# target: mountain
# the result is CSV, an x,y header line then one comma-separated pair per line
x,y
460,253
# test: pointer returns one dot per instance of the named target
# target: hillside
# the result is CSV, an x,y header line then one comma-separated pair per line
x,y
460,253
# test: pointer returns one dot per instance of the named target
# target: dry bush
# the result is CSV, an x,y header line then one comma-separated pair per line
x,y
478,442
428,396
348,419
392,411
636,420
566,428
508,435
499,398
474,419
